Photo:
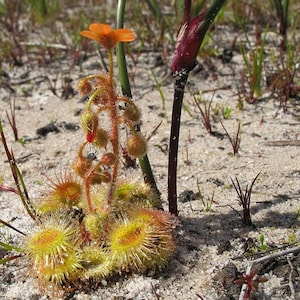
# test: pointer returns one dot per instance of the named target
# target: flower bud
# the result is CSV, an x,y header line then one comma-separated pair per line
x,y
189,41
136,146
84,87
132,113
93,224
98,176
101,138
81,165
106,177
89,123
103,96
108,159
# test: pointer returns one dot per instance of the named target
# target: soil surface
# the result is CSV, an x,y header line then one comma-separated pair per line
x,y
214,246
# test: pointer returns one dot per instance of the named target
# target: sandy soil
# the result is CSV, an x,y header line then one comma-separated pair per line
x,y
214,247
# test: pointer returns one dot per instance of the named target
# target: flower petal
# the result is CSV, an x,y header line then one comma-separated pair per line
x,y
124,35
100,28
106,36
90,35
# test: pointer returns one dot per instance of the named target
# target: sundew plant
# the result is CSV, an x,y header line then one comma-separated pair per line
x,y
90,224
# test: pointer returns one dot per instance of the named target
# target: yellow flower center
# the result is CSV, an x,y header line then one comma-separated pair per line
x,y
47,241
128,236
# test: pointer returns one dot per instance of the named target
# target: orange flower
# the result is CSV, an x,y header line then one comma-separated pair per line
x,y
106,36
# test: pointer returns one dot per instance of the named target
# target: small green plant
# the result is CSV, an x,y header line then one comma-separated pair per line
x,y
207,203
158,85
226,112
262,244
254,61
43,9
291,237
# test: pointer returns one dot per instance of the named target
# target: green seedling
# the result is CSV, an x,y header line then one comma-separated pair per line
x,y
226,112
207,203
262,244
161,93
42,9
254,61
291,238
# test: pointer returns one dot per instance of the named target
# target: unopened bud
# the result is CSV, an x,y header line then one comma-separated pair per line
x,y
106,177
189,41
101,138
136,146
99,176
93,225
81,165
84,87
89,123
108,159
132,113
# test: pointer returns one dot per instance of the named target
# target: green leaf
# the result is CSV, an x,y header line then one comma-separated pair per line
x,y
8,247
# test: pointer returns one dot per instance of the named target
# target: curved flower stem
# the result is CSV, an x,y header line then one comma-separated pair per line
x,y
126,90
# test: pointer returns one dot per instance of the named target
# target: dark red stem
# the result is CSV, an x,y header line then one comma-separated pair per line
x,y
180,81
187,10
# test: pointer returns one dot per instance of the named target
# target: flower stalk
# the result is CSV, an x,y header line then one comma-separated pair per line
x,y
189,40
